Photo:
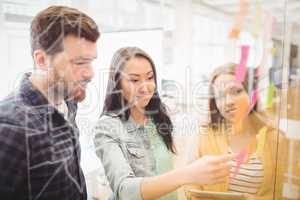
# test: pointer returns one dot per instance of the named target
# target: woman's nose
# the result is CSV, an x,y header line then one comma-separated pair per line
x,y
229,100
143,88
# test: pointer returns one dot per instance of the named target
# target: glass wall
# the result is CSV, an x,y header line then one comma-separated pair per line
x,y
288,151
188,39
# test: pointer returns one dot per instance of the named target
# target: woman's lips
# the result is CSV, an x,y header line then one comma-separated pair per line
x,y
144,97
231,111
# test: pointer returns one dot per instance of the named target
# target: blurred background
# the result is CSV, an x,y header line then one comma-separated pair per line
x,y
187,39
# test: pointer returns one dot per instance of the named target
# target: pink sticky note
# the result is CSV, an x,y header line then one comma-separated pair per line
x,y
240,70
258,72
240,159
254,96
274,24
267,37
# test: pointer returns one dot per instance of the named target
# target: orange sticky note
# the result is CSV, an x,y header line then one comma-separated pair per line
x,y
240,18
234,33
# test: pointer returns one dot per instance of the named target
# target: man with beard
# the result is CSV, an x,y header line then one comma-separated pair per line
x,y
39,146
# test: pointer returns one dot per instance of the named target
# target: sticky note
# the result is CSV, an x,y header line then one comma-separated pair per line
x,y
273,24
253,99
256,27
240,159
273,51
240,70
266,39
251,72
234,33
271,90
240,18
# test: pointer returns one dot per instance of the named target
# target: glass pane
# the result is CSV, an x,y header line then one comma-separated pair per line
x,y
288,162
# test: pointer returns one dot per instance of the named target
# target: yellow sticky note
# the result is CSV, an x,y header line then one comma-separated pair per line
x,y
273,51
256,27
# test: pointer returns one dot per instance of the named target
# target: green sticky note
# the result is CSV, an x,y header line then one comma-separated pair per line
x,y
270,95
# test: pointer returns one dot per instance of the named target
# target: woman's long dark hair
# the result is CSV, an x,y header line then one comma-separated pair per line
x,y
116,103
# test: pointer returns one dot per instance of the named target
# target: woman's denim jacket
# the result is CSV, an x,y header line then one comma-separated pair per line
x,y
125,151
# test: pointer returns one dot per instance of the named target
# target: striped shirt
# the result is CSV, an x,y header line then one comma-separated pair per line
x,y
249,177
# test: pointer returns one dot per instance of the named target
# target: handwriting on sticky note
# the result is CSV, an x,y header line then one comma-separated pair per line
x,y
240,70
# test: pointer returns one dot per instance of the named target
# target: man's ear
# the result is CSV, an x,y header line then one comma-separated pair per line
x,y
41,59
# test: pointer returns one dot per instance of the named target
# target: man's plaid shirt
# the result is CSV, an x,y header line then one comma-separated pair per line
x,y
39,149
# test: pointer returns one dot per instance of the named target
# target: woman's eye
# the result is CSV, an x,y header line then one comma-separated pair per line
x,y
239,91
133,80
236,91
151,78
80,63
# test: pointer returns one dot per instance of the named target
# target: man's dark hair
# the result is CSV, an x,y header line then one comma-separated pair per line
x,y
52,25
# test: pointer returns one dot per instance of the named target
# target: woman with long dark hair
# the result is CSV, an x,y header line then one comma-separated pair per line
x,y
133,137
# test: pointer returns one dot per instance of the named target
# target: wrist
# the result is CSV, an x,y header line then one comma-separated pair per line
x,y
184,177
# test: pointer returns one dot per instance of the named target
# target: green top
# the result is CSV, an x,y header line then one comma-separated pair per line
x,y
163,157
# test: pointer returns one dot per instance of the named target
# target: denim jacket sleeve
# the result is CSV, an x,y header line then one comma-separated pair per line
x,y
124,184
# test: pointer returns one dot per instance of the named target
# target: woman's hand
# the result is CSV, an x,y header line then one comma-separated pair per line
x,y
250,197
208,170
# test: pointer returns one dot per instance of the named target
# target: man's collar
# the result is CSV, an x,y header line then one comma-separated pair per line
x,y
33,97
29,94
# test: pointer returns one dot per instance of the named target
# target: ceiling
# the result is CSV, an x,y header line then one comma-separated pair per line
x,y
276,7
282,10
23,10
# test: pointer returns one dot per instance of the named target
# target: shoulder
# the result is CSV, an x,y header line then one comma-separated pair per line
x,y
109,120
109,124
12,128
11,110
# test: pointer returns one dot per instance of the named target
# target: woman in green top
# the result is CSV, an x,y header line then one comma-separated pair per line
x,y
133,137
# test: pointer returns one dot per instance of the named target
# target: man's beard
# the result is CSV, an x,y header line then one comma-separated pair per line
x,y
73,91
78,94
58,91
69,90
